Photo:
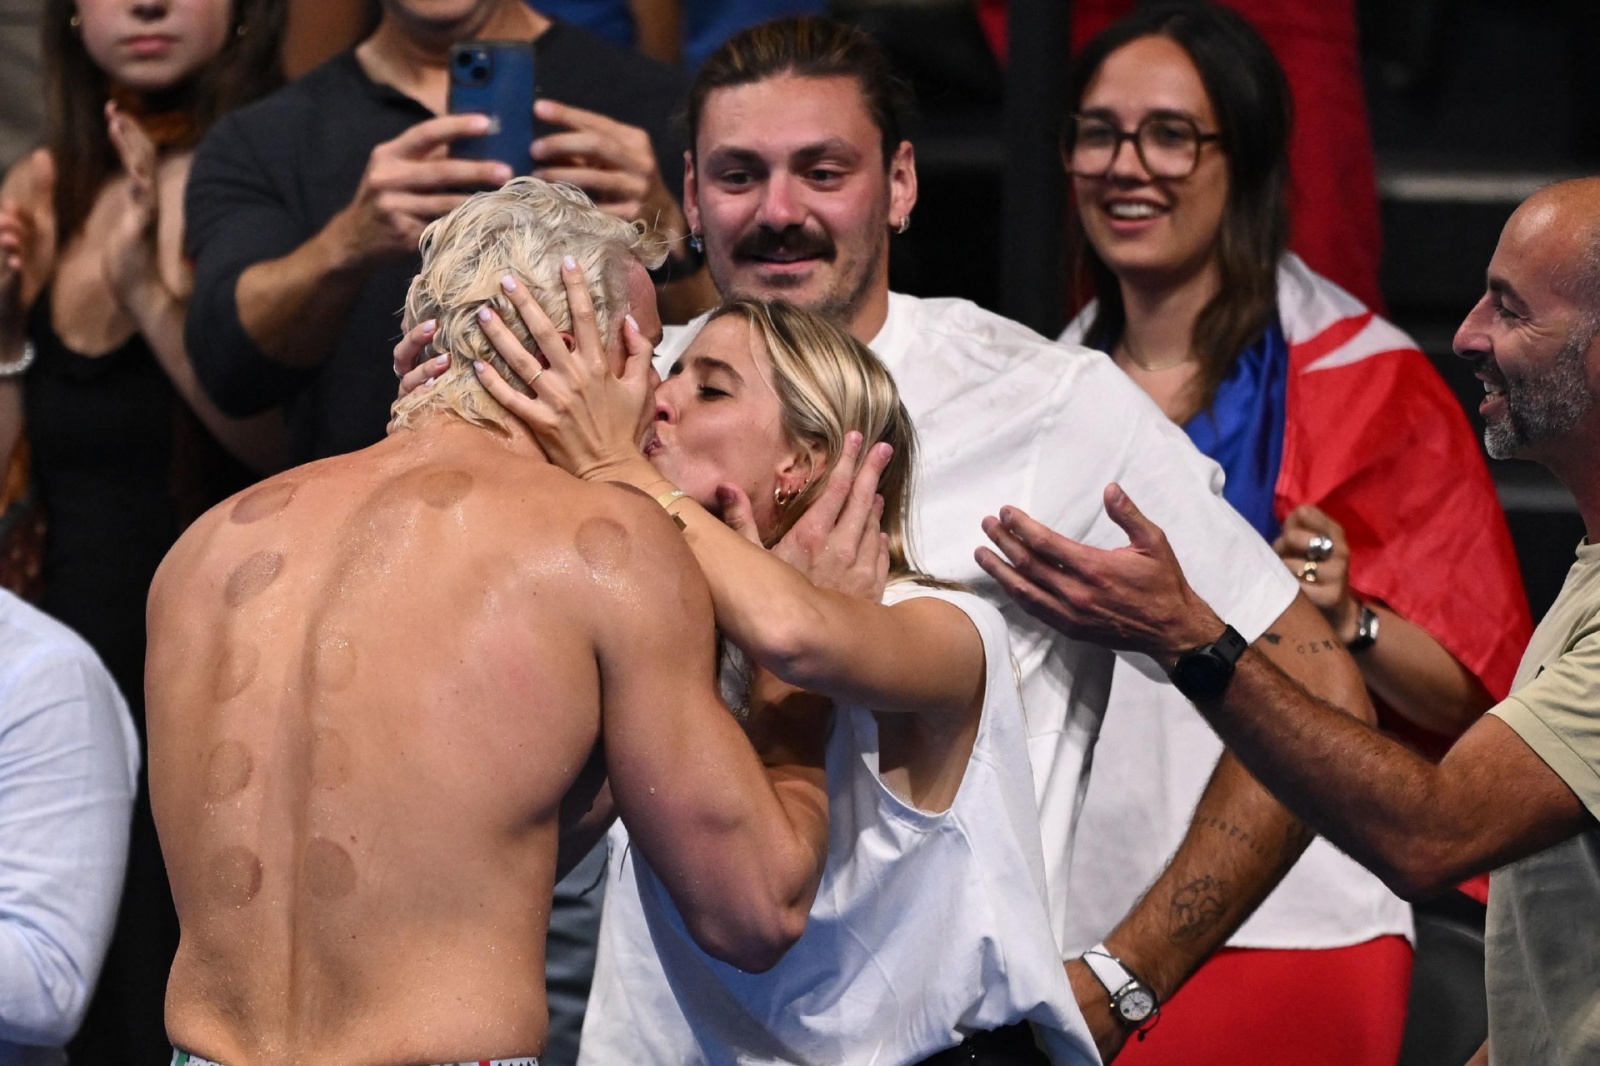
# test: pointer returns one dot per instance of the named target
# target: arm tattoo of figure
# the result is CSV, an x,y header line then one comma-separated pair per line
x,y
1196,907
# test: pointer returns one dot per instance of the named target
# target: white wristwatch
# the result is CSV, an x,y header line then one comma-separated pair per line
x,y
1131,999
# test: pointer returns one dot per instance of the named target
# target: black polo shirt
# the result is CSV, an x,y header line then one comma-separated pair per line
x,y
268,177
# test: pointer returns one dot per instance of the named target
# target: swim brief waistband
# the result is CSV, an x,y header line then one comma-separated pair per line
x,y
183,1058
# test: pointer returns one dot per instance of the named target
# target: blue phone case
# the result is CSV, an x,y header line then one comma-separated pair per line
x,y
494,78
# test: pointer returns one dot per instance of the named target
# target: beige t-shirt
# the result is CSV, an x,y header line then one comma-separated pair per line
x,y
1543,937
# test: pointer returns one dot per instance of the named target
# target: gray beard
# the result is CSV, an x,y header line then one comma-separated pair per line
x,y
1538,408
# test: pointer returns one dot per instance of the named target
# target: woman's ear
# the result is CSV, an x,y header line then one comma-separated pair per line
x,y
799,469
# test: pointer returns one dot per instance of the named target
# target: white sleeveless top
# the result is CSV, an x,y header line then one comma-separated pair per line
x,y
926,926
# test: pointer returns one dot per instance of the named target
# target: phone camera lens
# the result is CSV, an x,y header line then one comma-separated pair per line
x,y
480,73
465,59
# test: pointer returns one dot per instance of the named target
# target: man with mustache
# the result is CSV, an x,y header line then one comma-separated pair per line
x,y
1519,793
796,178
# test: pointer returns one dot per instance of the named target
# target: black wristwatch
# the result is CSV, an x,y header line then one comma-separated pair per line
x,y
1204,673
1366,630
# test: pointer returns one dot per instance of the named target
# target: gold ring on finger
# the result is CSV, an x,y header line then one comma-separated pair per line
x,y
1308,572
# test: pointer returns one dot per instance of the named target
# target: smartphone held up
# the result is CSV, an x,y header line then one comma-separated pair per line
x,y
495,78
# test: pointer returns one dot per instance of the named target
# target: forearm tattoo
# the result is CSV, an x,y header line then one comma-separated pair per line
x,y
1197,907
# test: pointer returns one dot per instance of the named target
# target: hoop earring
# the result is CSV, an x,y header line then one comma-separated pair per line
x,y
76,21
696,242
243,28
905,224
782,499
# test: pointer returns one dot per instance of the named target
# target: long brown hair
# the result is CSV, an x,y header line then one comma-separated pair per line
x,y
1250,95
76,91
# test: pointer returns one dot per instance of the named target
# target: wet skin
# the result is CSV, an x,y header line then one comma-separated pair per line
x,y
372,683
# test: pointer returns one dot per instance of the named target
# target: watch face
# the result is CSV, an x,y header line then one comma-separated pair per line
x,y
1200,676
1136,1004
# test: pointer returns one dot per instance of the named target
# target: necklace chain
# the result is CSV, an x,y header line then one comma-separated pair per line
x,y
1151,368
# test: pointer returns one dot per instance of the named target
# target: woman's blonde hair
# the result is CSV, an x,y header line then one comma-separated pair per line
x,y
524,229
828,383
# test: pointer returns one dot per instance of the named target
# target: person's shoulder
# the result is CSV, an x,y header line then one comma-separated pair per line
x,y
285,112
983,332
36,642
31,180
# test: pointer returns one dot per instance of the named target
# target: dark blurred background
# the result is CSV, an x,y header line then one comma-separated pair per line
x,y
1473,105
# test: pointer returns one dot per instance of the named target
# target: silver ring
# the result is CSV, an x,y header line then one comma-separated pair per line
x,y
1308,572
1321,547
536,374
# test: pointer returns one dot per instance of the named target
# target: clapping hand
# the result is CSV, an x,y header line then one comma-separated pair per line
x,y
128,256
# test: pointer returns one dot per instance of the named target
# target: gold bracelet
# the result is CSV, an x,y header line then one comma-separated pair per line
x,y
667,499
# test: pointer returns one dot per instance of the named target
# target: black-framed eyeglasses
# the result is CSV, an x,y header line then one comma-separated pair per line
x,y
1167,142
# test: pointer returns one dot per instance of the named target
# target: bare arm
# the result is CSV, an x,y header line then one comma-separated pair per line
x,y
739,845
1408,669
131,263
1419,826
1240,843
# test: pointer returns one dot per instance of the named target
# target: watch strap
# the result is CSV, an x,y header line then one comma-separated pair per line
x,y
1107,969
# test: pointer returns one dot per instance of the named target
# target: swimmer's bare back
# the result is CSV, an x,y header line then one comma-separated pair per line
x,y
372,682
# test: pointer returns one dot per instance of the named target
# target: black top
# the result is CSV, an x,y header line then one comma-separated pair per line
x,y
101,430
268,177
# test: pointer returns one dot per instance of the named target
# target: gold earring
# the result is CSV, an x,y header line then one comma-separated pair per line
x,y
76,21
782,499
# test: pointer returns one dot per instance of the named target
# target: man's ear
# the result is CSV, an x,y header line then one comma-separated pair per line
x,y
691,194
902,182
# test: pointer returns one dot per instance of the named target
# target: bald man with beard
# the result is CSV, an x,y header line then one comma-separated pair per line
x,y
1519,793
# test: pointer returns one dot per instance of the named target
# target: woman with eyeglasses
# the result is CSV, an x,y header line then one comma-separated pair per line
x,y
1342,446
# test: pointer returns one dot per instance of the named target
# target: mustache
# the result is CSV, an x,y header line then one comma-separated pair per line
x,y
763,242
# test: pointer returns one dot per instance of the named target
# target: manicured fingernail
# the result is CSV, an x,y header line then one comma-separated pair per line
x,y
633,325
430,325
484,314
569,263
1005,515
428,383
478,366
441,361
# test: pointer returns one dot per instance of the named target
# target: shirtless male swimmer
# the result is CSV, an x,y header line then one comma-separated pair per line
x,y
382,689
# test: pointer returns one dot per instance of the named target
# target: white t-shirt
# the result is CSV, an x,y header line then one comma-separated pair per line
x,y
927,926
1005,416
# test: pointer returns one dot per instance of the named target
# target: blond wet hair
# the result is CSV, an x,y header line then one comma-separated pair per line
x,y
525,229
